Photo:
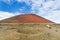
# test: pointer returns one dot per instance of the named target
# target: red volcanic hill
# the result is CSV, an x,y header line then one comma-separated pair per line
x,y
26,18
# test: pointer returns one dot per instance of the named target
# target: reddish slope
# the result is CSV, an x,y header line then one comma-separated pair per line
x,y
26,18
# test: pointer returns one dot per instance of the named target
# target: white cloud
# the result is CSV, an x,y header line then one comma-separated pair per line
x,y
54,16
48,4
21,9
36,4
42,6
19,0
28,2
4,15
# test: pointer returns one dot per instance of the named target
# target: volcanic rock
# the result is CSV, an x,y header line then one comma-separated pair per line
x,y
26,18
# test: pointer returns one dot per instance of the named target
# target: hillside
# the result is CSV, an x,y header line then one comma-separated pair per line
x,y
26,18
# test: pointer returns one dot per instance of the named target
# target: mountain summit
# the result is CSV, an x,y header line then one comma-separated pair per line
x,y
26,18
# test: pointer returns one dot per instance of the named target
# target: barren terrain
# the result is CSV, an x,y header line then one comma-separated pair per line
x,y
22,31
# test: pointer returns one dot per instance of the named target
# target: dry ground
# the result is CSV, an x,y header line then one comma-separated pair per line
x,y
29,31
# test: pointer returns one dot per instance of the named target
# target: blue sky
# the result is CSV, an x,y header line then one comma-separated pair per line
x,y
49,9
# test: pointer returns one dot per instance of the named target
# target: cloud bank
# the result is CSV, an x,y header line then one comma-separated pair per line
x,y
4,15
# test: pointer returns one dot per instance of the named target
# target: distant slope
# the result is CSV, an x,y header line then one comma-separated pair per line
x,y
26,18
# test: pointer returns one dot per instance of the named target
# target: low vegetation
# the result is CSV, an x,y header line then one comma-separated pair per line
x,y
18,31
